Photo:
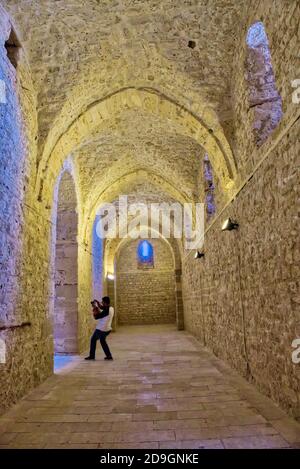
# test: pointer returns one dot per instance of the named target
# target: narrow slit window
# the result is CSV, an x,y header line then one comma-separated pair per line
x,y
209,188
264,98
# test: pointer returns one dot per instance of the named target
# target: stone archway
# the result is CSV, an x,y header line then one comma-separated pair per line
x,y
97,118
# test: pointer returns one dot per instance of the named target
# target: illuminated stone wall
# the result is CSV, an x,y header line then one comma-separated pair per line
x,y
241,299
145,295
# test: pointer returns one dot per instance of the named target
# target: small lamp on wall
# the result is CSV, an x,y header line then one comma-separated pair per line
x,y
110,276
198,255
229,225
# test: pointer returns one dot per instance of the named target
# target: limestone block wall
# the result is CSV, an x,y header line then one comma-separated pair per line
x,y
241,300
24,234
29,346
86,322
26,240
280,20
145,296
12,163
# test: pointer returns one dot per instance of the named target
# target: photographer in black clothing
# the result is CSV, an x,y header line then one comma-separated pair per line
x,y
103,313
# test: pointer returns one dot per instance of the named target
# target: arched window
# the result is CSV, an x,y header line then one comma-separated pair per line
x,y
263,95
209,188
145,254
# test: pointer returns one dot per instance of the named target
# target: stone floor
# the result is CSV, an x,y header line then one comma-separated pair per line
x,y
62,361
163,390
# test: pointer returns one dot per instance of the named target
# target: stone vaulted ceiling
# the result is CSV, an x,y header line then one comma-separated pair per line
x,y
146,143
81,52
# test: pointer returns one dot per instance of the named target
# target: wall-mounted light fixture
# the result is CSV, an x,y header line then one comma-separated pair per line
x,y
110,276
229,225
198,255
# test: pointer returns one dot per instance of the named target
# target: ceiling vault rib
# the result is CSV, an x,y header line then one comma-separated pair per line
x,y
43,166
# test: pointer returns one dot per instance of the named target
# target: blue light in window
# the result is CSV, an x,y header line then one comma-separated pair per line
x,y
256,35
264,97
145,252
209,187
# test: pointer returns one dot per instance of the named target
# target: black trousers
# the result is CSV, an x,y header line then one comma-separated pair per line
x,y
101,335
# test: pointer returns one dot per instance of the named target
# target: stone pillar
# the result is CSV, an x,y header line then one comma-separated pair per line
x,y
179,301
66,270
111,294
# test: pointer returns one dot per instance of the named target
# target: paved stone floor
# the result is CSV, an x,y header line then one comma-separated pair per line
x,y
163,390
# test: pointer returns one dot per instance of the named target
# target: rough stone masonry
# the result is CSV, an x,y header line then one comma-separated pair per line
x,y
127,98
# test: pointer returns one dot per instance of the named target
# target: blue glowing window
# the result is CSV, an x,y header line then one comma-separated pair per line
x,y
256,35
264,99
145,254
209,188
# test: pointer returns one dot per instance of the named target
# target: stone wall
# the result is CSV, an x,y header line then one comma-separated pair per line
x,y
145,296
241,299
280,22
24,235
12,164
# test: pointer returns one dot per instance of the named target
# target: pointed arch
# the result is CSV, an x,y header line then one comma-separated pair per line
x,y
98,115
145,254
120,186
209,188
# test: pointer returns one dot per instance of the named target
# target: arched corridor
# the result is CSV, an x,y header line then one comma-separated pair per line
x,y
149,154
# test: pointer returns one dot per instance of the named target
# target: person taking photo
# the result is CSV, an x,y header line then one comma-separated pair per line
x,y
104,314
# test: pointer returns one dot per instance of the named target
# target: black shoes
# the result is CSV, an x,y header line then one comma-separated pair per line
x,y
106,358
